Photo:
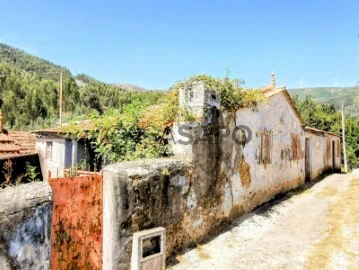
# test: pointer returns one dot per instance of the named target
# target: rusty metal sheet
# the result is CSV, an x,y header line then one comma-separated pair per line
x,y
76,234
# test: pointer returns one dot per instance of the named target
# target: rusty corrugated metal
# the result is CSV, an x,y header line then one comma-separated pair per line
x,y
76,234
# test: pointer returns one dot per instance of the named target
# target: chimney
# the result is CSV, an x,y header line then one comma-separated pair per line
x,y
273,81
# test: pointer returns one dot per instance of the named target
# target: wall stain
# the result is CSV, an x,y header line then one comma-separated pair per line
x,y
244,172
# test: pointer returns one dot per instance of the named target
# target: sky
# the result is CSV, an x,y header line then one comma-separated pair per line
x,y
154,44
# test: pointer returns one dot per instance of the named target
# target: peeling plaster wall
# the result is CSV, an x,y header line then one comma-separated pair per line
x,y
321,156
196,198
251,182
25,224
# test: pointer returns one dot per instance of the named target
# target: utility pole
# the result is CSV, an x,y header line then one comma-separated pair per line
x,y
61,98
343,135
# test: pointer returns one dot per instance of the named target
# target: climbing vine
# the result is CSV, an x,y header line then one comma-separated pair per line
x,y
138,131
233,94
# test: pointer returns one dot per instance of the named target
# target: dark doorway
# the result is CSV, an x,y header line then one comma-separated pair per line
x,y
307,160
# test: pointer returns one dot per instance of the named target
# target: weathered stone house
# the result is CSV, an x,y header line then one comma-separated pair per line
x,y
322,152
215,177
238,162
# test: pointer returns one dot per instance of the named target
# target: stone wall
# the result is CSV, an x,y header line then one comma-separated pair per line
x,y
195,196
25,222
141,195
191,200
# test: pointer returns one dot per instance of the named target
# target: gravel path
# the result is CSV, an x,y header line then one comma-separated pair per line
x,y
317,228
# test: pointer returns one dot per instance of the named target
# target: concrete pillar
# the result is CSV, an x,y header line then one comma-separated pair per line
x,y
201,102
115,204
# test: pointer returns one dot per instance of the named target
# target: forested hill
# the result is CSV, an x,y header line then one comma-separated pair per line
x,y
335,95
29,92
32,64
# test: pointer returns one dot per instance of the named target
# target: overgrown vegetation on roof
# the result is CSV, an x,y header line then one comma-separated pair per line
x,y
138,130
233,97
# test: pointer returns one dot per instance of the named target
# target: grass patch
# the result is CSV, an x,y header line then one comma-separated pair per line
x,y
344,213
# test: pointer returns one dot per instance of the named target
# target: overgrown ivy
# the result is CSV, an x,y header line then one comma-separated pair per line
x,y
137,131
234,96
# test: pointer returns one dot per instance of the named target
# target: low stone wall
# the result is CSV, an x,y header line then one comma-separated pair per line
x,y
25,222
168,193
141,195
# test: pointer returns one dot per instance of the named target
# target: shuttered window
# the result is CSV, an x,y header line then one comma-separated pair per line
x,y
295,147
329,148
265,153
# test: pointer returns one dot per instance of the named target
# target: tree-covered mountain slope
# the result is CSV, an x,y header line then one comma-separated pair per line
x,y
335,95
29,92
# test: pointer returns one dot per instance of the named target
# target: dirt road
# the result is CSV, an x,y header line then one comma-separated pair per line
x,y
317,228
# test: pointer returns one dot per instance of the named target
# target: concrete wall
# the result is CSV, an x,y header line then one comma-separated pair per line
x,y
146,194
320,153
56,165
25,222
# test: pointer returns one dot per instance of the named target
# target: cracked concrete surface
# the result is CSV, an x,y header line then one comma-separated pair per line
x,y
314,228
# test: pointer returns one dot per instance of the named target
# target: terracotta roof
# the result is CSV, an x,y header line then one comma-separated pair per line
x,y
25,140
5,138
8,148
319,131
86,125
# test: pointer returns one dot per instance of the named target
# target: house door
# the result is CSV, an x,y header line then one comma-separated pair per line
x,y
307,160
333,156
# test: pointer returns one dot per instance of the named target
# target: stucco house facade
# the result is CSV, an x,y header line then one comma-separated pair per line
x,y
322,153
223,167
60,150
280,147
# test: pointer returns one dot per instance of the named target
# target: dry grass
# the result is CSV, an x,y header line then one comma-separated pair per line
x,y
343,213
202,253
327,192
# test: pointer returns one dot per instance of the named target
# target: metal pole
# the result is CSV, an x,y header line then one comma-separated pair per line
x,y
60,97
343,135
